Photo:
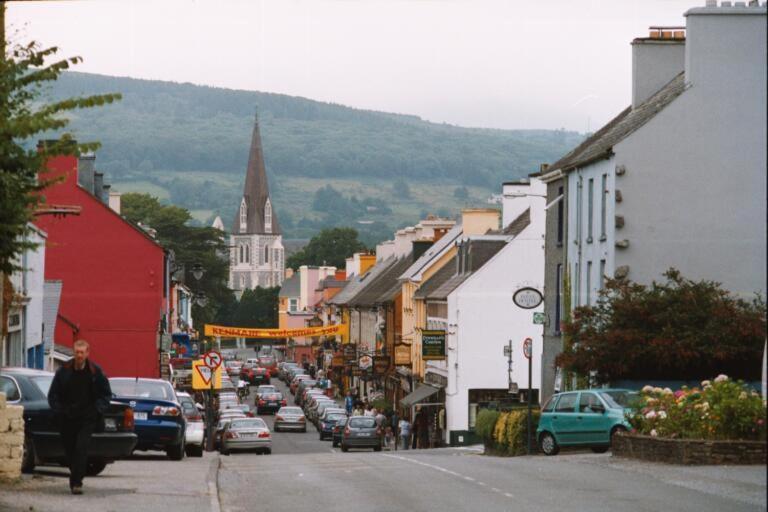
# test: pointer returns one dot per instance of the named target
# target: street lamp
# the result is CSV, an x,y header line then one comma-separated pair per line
x,y
197,271
201,299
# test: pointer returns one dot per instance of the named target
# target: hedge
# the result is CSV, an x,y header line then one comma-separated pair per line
x,y
504,433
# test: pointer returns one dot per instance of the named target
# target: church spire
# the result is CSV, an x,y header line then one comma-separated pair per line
x,y
259,211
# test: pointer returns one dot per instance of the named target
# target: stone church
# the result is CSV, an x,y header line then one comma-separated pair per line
x,y
256,257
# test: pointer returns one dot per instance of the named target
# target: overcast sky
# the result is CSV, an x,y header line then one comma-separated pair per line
x,y
487,63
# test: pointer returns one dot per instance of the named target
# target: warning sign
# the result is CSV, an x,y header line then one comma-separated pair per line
x,y
202,375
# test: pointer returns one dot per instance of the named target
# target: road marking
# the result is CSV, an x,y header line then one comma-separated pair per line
x,y
449,472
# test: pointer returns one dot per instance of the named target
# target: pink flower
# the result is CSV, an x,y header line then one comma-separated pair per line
x,y
679,393
760,422
654,433
650,415
721,378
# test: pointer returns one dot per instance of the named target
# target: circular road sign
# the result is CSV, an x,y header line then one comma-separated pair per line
x,y
212,359
527,348
527,298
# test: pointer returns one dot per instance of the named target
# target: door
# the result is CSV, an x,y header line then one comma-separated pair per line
x,y
593,422
564,418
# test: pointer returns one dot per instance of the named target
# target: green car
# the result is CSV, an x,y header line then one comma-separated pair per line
x,y
583,418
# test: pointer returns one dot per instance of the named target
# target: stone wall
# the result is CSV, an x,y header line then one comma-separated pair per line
x,y
688,451
11,439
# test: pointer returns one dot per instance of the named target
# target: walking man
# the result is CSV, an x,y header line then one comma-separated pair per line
x,y
79,396
405,432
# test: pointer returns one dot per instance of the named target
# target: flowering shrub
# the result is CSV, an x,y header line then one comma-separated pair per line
x,y
504,433
721,409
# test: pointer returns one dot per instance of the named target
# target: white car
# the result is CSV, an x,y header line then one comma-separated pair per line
x,y
195,429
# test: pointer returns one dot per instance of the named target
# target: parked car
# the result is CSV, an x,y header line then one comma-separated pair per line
x,y
246,434
159,422
303,386
285,367
311,411
326,425
42,441
221,425
324,406
194,431
270,403
361,432
295,382
302,398
244,408
587,418
290,418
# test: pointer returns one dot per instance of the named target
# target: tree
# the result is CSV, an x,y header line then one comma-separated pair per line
x,y
677,330
401,189
461,193
190,245
257,308
24,116
329,247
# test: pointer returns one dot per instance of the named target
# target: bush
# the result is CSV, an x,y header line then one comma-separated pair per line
x,y
720,410
382,405
485,423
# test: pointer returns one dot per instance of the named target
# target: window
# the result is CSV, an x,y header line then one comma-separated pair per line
x,y
577,285
559,300
604,194
560,213
293,305
266,254
587,401
268,217
590,208
11,390
550,405
243,215
579,209
589,283
601,278
242,254
567,403
247,253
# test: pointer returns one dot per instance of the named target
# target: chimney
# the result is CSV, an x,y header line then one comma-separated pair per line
x,y
98,185
478,221
350,267
656,60
85,170
385,249
114,201
288,272
420,247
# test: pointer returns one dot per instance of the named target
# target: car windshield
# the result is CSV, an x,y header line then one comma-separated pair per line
x,y
249,423
619,399
337,417
290,410
43,382
139,388
362,422
266,389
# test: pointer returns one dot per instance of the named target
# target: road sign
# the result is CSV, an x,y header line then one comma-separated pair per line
x,y
538,318
527,347
507,351
212,359
513,388
202,375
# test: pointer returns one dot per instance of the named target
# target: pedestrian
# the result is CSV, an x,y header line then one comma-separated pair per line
x,y
405,432
380,418
79,396
349,402
421,424
394,421
369,411
389,438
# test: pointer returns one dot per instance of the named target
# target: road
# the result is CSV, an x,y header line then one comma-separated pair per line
x,y
306,474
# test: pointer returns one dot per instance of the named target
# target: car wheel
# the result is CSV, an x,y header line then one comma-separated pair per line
x,y
277,429
548,444
224,451
305,430
344,448
377,448
95,467
600,449
194,451
28,456
268,451
176,452
335,444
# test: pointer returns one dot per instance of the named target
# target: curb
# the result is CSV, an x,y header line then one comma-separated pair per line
x,y
213,483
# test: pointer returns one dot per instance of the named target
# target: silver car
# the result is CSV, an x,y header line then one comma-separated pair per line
x,y
246,434
290,418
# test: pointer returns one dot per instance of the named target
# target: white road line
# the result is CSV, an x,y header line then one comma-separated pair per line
x,y
449,472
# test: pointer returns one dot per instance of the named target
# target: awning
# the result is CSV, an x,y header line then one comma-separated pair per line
x,y
420,393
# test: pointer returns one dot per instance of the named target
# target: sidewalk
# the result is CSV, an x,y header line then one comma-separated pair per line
x,y
148,481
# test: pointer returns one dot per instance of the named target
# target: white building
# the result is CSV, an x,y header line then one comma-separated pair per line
x,y
256,257
24,345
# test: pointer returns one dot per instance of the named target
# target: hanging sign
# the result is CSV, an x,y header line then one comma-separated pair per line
x,y
248,332
365,362
402,354
432,345
527,298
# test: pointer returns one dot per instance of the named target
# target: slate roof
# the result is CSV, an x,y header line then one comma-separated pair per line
x,y
437,280
600,144
255,191
356,284
480,252
414,271
291,286
385,287
515,227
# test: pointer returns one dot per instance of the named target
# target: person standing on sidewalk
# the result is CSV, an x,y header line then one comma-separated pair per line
x,y
79,396
405,432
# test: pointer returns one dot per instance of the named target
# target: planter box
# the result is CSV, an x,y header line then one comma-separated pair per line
x,y
688,451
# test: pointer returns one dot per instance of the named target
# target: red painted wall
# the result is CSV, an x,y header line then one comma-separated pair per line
x,y
112,279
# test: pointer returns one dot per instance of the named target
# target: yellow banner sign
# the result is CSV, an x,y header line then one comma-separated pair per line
x,y
248,332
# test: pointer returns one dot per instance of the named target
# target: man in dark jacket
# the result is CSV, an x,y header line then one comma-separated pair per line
x,y
79,396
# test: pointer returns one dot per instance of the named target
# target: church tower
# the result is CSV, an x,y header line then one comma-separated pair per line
x,y
256,257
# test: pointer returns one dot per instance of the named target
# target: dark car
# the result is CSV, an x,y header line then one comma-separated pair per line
x,y
269,363
157,413
113,440
361,432
326,425
270,403
303,386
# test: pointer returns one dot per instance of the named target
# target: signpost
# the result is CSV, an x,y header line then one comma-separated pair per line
x,y
528,353
433,345
539,318
513,388
206,375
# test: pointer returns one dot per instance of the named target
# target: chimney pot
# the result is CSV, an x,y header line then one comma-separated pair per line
x,y
544,167
725,4
711,3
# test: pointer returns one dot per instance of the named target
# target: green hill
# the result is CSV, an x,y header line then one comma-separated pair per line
x,y
189,144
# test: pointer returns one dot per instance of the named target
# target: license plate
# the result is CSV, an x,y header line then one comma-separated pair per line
x,y
364,434
139,415
272,403
110,425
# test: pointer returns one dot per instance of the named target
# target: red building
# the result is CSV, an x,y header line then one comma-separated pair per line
x,y
113,273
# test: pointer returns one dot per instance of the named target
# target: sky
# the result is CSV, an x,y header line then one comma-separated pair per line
x,y
481,63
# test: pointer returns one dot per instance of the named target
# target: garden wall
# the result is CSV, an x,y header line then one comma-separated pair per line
x,y
11,439
688,451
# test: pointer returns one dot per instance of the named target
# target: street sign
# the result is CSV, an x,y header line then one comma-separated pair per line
x,y
513,388
527,348
527,298
203,374
212,359
538,318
